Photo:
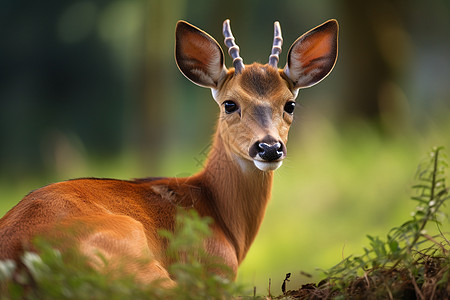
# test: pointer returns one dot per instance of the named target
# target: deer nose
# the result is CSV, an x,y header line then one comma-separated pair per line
x,y
270,152
267,151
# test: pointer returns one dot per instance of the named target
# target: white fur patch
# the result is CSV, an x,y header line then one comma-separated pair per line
x,y
267,166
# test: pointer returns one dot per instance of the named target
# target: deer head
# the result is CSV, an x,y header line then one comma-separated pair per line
x,y
256,101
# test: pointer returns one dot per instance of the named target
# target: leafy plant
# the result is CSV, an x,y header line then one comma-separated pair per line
x,y
405,252
194,270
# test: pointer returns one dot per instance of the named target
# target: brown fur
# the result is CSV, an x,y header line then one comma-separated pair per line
x,y
121,219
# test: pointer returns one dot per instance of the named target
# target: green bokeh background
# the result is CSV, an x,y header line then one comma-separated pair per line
x,y
91,89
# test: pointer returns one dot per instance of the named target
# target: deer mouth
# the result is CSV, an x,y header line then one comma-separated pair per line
x,y
266,165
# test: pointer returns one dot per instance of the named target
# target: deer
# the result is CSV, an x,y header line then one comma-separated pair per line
x,y
121,218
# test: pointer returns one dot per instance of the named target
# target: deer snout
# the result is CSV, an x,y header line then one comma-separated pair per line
x,y
267,154
270,152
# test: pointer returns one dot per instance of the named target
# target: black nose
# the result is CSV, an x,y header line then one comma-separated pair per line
x,y
270,152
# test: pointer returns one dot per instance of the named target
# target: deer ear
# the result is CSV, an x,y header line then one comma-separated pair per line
x,y
198,56
313,55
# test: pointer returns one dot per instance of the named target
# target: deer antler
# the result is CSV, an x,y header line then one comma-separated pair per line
x,y
276,48
233,49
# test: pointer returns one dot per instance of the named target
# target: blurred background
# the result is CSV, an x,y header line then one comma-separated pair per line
x,y
91,89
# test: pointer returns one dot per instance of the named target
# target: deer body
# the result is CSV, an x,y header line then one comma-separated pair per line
x,y
120,219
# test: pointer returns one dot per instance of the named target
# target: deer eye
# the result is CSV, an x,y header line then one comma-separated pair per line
x,y
289,107
230,106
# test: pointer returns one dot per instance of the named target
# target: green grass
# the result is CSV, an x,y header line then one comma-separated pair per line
x,y
417,249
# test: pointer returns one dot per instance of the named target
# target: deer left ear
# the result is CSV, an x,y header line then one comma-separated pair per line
x,y
313,55
198,56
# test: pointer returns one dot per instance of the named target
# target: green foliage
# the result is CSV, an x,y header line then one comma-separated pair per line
x,y
67,275
406,248
194,270
56,275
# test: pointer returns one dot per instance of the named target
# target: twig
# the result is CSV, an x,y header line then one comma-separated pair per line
x,y
433,291
367,279
391,297
416,287
283,286
431,239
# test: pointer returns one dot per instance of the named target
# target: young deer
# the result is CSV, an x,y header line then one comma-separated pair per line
x,y
120,219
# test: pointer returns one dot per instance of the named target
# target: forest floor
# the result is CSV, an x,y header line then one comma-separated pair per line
x,y
385,283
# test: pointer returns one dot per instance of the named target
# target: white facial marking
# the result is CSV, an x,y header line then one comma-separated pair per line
x,y
267,166
243,164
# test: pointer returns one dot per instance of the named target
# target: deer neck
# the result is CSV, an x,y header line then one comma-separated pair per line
x,y
240,193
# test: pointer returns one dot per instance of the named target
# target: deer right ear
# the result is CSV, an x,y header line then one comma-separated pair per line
x,y
198,56
313,55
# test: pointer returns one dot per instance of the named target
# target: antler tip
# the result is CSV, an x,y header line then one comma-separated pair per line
x,y
277,28
233,49
277,42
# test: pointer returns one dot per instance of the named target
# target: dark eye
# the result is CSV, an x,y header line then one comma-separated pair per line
x,y
289,107
230,106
